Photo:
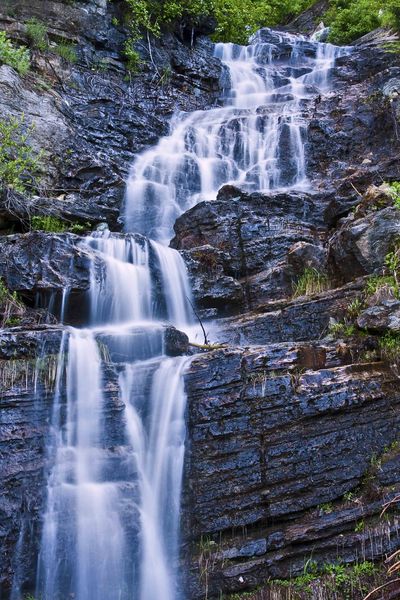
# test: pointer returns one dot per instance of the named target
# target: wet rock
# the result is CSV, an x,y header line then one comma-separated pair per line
x,y
270,440
176,342
283,321
237,247
303,255
359,247
39,261
382,317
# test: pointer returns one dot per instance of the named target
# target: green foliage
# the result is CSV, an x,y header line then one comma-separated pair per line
x,y
341,330
37,34
133,60
17,58
350,19
52,224
379,282
354,308
236,19
394,190
67,52
360,526
48,223
11,308
326,508
391,278
19,162
310,282
389,346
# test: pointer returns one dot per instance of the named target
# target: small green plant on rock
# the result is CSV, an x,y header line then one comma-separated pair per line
x,y
37,34
67,52
326,509
16,57
377,283
359,528
19,162
11,309
133,60
53,224
342,329
310,282
394,190
354,308
389,346
48,223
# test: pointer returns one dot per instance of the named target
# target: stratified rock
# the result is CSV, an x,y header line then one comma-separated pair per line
x,y
382,317
39,261
359,246
273,436
237,247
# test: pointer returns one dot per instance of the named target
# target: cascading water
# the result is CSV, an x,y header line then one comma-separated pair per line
x,y
111,523
256,140
110,529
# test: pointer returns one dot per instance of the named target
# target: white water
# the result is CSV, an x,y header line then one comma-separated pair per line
x,y
256,140
110,529
111,523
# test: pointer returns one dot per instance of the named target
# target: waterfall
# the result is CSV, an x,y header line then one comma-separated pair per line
x,y
111,522
113,494
255,140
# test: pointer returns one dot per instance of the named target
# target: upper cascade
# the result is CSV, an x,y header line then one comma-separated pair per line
x,y
255,139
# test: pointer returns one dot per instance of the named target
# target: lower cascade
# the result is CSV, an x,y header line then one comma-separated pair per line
x,y
112,515
111,522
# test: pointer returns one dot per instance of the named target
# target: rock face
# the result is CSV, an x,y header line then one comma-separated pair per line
x,y
292,430
92,117
275,433
237,247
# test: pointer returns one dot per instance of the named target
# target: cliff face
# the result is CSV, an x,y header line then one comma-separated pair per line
x,y
286,420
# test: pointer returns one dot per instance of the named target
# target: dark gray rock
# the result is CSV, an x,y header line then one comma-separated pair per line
x,y
359,246
274,435
382,317
237,247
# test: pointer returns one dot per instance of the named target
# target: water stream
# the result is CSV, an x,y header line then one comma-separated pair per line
x,y
111,523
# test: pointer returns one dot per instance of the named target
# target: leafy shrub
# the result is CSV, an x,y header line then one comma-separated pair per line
x,y
17,58
236,19
133,60
48,223
310,282
344,329
67,52
350,19
19,162
37,34
379,282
